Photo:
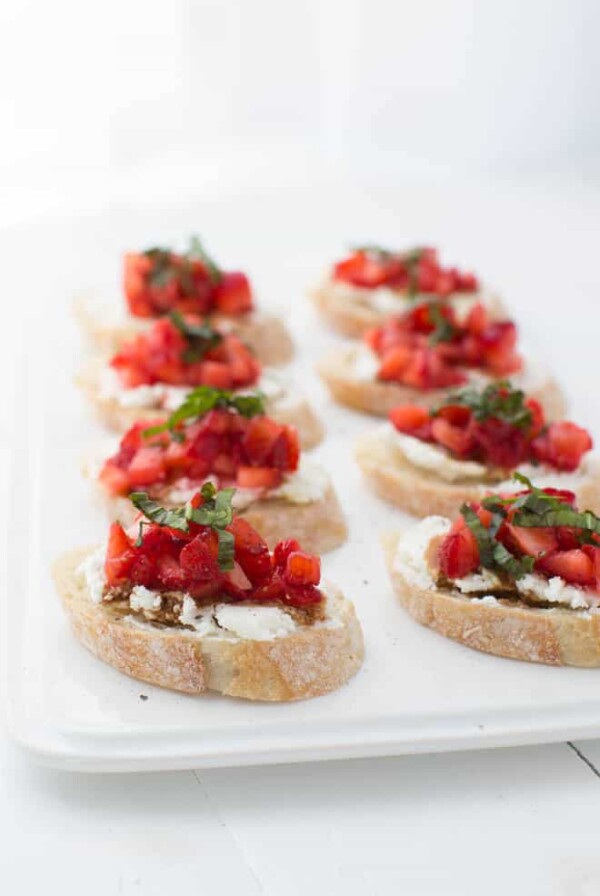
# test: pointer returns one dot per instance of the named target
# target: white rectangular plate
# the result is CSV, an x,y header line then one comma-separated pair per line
x,y
416,692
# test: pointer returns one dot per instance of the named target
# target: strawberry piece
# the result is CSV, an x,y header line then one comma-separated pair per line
x,y
251,551
457,440
146,466
302,595
575,566
233,294
258,477
562,445
114,479
302,569
534,541
458,554
282,551
412,420
119,555
198,559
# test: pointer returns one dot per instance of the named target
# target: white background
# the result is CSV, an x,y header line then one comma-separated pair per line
x,y
474,124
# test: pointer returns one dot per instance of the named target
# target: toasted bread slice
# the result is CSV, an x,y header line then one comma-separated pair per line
x,y
265,334
421,493
318,525
286,408
350,310
311,660
340,371
503,627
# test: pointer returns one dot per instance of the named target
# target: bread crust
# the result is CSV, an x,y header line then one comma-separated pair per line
x,y
296,412
396,480
265,334
307,663
556,637
378,398
352,314
319,526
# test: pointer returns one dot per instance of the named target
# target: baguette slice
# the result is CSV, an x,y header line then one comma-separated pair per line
x,y
338,371
265,334
506,628
421,493
319,525
308,662
350,310
287,409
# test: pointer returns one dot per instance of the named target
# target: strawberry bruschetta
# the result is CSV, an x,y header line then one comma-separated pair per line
x,y
227,439
421,355
153,372
432,460
160,280
516,575
372,283
191,598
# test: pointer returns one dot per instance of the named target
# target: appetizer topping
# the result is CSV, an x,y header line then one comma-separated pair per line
x,y
202,550
158,281
428,347
215,434
414,272
183,351
497,426
532,531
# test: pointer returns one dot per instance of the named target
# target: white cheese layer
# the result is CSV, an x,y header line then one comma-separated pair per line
x,y
410,557
142,598
308,484
557,591
389,301
91,571
162,396
365,363
244,622
434,459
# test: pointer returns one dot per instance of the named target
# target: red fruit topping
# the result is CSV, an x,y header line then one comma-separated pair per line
x,y
251,453
418,270
302,569
164,354
251,552
159,281
498,427
573,566
458,554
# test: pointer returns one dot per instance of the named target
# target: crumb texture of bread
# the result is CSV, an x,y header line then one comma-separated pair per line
x,y
337,370
309,662
265,334
556,636
288,410
319,526
422,493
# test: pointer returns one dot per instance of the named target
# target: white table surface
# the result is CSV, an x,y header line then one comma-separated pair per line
x,y
522,819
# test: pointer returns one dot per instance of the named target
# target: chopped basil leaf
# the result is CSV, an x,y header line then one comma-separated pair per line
x,y
174,518
202,400
201,338
216,512
497,400
196,251
444,329
515,567
482,535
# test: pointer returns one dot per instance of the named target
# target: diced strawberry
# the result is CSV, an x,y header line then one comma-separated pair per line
x,y
146,467
411,419
302,595
302,569
258,477
562,445
114,479
593,553
233,294
260,437
575,566
251,551
282,551
367,269
198,561
119,555
458,554
216,374
534,541
457,440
